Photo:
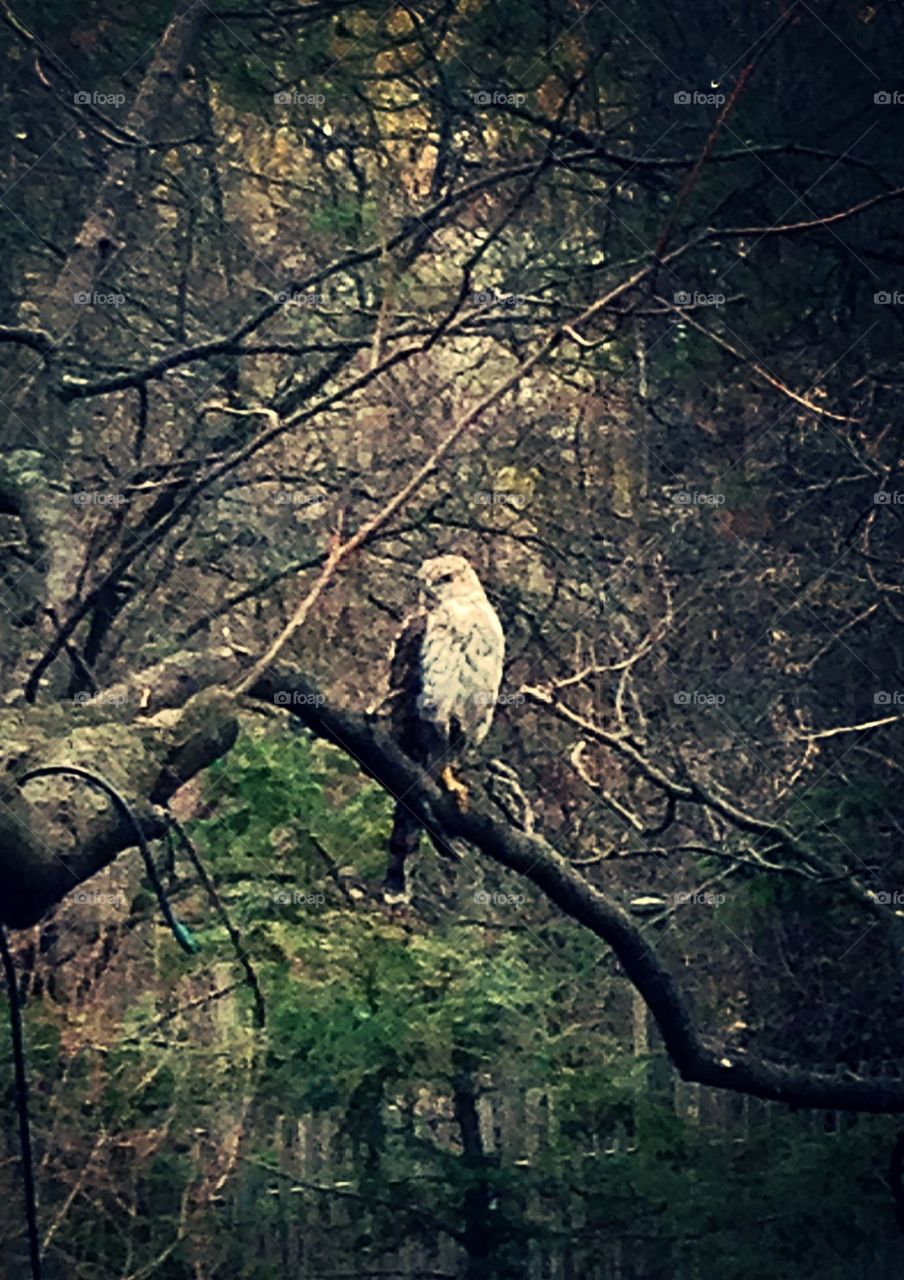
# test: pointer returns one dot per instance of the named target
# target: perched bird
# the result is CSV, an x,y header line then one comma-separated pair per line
x,y
444,680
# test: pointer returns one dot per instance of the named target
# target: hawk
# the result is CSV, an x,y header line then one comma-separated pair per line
x,y
444,680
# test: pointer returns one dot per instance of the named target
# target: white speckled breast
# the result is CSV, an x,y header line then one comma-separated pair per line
x,y
461,655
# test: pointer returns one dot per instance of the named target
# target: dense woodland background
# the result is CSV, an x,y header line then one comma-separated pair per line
x,y
608,298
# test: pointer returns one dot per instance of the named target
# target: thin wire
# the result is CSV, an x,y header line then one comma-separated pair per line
x,y
179,931
28,1177
260,1010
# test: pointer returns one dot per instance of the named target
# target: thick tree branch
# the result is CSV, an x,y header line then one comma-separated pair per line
x,y
147,760
697,1058
33,878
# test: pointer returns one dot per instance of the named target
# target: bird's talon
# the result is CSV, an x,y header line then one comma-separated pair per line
x,y
456,789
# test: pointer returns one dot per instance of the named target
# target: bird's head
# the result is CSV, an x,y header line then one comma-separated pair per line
x,y
446,576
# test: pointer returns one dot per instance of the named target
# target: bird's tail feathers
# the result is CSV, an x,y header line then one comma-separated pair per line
x,y
403,842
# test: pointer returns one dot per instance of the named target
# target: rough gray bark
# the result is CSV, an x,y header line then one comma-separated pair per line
x,y
56,833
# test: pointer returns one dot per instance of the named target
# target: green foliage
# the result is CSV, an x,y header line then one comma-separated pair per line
x,y
366,1014
275,792
345,219
850,808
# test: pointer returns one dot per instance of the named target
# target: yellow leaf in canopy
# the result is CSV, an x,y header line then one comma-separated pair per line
x,y
399,22
550,95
